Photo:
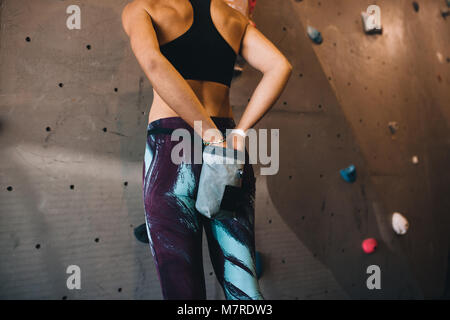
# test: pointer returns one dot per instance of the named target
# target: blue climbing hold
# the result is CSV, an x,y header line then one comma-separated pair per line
x,y
258,264
349,173
445,14
315,35
140,233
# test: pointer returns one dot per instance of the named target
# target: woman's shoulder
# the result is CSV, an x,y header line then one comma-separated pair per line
x,y
139,4
147,5
229,12
135,9
229,19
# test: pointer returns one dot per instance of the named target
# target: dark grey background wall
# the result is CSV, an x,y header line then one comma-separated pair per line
x,y
72,137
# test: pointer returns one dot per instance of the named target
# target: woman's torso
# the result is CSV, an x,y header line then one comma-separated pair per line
x,y
173,18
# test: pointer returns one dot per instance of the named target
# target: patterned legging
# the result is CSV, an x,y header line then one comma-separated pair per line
x,y
175,227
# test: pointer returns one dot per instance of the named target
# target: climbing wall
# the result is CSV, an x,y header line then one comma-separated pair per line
x,y
403,76
73,113
336,111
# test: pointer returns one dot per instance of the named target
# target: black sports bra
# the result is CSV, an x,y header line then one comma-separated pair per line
x,y
201,53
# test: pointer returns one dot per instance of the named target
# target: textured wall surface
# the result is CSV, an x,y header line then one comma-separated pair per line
x,y
73,114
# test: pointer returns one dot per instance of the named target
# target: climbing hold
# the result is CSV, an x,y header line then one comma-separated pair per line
x,y
372,19
141,233
415,159
314,35
369,245
259,268
446,13
399,223
393,127
349,173
415,6
251,6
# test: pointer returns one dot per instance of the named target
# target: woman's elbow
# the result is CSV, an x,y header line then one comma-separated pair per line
x,y
281,65
152,61
284,67
149,58
287,65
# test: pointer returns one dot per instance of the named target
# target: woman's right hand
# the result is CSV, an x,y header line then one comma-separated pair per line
x,y
233,141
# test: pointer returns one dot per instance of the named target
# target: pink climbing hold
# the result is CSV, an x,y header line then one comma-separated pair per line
x,y
251,5
369,245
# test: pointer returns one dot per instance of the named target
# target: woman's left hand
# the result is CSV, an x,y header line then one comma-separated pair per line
x,y
235,141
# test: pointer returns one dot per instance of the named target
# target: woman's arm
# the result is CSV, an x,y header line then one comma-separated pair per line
x,y
165,79
261,54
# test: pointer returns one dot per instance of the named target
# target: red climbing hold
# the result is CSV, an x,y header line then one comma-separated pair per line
x,y
251,6
369,245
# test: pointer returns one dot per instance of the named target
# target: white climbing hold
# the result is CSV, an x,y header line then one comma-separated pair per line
x,y
314,35
399,223
372,19
415,159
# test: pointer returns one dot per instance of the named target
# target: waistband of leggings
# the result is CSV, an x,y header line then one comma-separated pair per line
x,y
167,125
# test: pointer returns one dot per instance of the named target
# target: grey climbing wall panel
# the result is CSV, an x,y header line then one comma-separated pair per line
x,y
402,75
73,114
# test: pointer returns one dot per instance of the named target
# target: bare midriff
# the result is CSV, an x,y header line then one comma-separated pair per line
x,y
215,98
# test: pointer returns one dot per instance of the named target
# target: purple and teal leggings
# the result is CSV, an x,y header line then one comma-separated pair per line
x,y
175,227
